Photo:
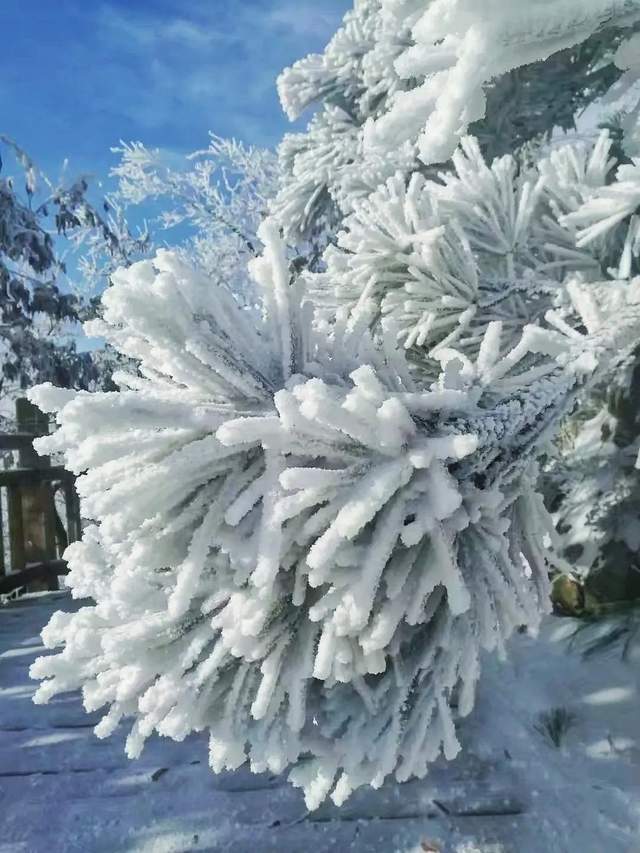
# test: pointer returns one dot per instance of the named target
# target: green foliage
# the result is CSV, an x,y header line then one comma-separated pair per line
x,y
555,724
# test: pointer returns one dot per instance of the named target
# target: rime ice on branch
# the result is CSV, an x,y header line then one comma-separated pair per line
x,y
437,261
297,544
306,529
402,80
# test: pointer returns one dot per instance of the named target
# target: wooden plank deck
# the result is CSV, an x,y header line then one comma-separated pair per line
x,y
62,789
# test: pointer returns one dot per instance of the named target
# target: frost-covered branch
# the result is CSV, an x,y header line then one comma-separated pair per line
x,y
219,194
402,80
309,520
316,545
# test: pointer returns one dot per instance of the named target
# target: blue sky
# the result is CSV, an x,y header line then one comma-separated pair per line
x,y
79,75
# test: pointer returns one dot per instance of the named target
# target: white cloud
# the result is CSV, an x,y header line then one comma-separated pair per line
x,y
286,19
302,19
214,62
142,31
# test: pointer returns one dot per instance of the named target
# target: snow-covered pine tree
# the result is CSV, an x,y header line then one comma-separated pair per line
x,y
519,244
403,80
301,539
439,260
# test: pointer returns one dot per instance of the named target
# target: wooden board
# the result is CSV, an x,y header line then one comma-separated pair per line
x,y
62,789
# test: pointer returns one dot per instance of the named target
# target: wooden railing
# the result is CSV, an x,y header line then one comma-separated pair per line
x,y
37,534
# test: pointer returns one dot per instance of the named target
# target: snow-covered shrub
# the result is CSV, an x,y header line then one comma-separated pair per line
x,y
296,543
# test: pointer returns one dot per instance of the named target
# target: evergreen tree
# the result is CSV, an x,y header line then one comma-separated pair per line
x,y
40,314
364,81
335,505
33,310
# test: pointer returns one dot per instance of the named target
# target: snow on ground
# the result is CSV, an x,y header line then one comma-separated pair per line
x,y
511,791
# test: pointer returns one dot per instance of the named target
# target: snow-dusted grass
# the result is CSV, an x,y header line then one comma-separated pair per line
x,y
511,790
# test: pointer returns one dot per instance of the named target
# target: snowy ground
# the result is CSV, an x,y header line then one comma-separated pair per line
x,y
513,791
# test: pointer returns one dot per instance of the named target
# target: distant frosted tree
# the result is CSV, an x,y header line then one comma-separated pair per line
x,y
38,316
310,519
215,198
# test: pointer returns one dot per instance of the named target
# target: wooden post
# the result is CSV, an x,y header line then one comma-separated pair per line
x,y
35,505
16,529
35,542
31,420
72,508
2,566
